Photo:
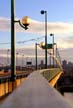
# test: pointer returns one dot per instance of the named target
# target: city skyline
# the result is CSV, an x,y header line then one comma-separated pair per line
x,y
29,54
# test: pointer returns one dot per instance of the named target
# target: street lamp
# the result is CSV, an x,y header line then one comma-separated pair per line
x,y
50,59
8,57
23,23
22,61
56,52
41,44
45,12
17,58
53,47
36,54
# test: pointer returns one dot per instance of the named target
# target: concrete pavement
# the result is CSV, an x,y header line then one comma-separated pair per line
x,y
35,92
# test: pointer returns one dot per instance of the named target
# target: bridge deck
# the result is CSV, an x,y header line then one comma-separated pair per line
x,y
35,92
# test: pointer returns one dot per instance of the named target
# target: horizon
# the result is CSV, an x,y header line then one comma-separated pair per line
x,y
29,55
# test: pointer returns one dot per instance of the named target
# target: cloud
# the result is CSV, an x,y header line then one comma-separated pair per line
x,y
63,31
38,27
65,42
29,53
66,54
4,24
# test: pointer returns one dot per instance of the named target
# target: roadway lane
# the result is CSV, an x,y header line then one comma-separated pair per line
x,y
35,92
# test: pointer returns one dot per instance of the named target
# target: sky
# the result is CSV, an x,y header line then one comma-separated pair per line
x,y
59,21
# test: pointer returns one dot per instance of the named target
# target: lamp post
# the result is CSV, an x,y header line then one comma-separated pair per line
x,y
56,52
22,61
36,67
50,58
36,54
45,12
8,57
53,47
17,59
24,23
40,45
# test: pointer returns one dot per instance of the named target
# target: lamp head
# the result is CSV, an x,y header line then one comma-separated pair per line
x,y
51,34
25,22
42,44
42,11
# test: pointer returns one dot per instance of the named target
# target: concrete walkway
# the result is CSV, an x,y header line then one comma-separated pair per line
x,y
35,92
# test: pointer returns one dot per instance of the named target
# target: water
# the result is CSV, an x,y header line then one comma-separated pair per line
x,y
69,97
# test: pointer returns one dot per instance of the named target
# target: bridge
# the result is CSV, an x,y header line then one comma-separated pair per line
x,y
34,89
62,84
35,92
52,75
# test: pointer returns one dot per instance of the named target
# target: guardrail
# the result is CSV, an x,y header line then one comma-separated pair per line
x,y
51,74
6,83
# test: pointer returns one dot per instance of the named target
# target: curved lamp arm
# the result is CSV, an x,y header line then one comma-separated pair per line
x,y
22,25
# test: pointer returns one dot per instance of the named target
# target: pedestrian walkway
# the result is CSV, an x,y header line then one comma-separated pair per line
x,y
35,92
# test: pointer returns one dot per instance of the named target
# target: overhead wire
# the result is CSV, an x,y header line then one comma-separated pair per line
x,y
21,42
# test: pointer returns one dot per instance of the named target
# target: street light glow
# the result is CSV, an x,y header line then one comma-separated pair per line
x,y
25,20
42,44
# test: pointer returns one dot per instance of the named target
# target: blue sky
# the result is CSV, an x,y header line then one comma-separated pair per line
x,y
60,17
60,22
58,10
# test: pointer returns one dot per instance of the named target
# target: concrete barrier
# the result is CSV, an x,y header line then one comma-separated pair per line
x,y
6,86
